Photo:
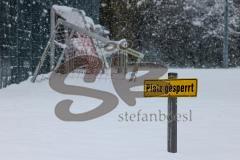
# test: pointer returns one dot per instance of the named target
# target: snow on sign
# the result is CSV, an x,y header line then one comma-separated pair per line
x,y
170,88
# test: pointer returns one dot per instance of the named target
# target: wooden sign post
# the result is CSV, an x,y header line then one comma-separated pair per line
x,y
171,88
172,120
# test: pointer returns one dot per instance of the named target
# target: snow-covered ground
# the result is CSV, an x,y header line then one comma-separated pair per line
x,y
30,130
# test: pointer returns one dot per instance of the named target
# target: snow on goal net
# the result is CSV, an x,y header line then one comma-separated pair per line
x,y
78,45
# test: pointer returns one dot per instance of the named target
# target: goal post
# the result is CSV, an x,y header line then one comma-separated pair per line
x,y
52,35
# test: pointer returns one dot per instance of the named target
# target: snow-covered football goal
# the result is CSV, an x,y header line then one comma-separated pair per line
x,y
77,43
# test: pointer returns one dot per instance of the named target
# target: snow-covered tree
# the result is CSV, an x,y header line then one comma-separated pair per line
x,y
182,33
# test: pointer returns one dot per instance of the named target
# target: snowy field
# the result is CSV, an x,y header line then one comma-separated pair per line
x,y
31,131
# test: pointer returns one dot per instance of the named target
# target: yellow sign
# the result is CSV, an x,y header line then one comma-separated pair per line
x,y
170,88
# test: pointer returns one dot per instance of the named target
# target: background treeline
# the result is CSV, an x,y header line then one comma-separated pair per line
x,y
180,33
